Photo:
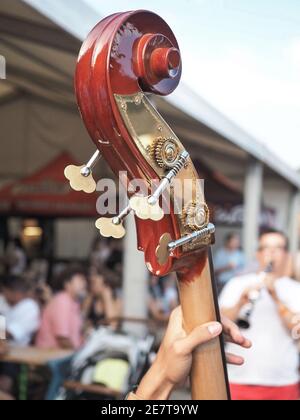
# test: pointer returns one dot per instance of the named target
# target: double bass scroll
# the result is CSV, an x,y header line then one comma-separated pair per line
x,y
125,59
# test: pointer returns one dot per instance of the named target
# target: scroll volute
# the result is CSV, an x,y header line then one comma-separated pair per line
x,y
126,56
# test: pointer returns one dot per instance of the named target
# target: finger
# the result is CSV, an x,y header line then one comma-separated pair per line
x,y
233,359
234,334
200,335
246,344
232,330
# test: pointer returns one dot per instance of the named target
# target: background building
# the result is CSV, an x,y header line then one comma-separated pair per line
x,y
39,120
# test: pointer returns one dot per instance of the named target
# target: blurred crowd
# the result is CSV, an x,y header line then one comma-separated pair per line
x,y
57,308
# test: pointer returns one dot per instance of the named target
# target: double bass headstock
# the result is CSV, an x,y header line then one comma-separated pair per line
x,y
126,57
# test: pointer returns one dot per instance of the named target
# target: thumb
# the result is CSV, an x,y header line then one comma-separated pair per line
x,y
200,335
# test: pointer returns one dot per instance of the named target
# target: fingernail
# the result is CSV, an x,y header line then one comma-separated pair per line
x,y
215,329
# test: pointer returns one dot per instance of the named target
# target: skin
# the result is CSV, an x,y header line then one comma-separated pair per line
x,y
13,297
174,360
76,287
103,296
272,248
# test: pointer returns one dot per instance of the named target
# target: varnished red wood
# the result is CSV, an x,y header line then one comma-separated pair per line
x,y
117,58
125,54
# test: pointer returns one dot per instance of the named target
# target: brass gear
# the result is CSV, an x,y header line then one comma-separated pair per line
x,y
166,152
196,215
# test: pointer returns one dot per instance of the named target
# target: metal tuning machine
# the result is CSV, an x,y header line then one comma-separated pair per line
x,y
113,227
81,177
167,246
147,208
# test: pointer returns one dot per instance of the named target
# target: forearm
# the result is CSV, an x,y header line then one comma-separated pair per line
x,y
286,316
112,312
154,385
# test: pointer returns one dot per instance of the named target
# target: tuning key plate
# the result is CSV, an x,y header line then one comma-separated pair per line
x,y
109,229
78,181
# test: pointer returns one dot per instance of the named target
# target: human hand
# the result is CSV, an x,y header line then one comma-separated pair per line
x,y
246,295
174,360
232,334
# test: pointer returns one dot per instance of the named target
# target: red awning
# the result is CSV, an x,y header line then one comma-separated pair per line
x,y
47,193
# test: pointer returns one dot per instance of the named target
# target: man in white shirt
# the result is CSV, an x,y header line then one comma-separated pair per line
x,y
271,370
22,320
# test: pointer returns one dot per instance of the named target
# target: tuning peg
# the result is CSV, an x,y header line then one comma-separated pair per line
x,y
166,246
148,207
113,227
109,229
144,210
81,177
162,251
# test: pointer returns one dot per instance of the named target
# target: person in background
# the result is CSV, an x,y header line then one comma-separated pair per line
x,y
43,294
101,252
22,321
103,302
62,323
115,260
41,290
229,260
272,368
163,297
23,314
15,257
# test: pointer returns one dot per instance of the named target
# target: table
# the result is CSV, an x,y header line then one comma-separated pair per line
x,y
31,357
92,389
